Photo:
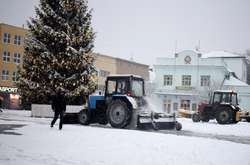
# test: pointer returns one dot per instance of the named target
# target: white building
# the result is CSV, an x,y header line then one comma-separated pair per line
x,y
232,61
188,78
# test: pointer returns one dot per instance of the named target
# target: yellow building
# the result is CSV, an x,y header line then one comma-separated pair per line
x,y
107,65
12,50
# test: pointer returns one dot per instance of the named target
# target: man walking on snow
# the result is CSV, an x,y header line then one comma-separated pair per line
x,y
59,107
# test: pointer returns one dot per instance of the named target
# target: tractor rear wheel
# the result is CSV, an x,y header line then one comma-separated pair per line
x,y
224,115
196,117
84,117
118,114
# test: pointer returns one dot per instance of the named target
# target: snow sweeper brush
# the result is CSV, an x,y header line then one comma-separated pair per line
x,y
157,121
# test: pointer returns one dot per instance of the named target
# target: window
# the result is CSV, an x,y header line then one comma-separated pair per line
x,y
175,106
17,40
168,79
137,88
234,99
186,80
167,106
5,74
14,76
226,97
17,58
103,73
185,104
111,87
121,87
6,37
194,107
217,97
6,56
205,81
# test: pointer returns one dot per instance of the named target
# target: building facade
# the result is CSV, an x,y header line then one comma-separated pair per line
x,y
11,51
11,58
188,78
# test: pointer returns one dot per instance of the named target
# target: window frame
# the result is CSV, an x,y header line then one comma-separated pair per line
x,y
168,80
186,80
6,37
17,58
5,75
15,76
6,56
17,40
194,107
103,73
205,80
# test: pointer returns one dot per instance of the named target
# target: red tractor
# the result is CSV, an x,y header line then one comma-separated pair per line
x,y
223,107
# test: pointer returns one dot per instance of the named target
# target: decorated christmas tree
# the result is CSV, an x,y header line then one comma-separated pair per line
x,y
58,52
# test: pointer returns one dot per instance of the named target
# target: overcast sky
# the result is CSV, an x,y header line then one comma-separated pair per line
x,y
146,29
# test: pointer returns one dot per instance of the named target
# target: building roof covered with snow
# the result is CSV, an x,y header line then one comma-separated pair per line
x,y
232,81
221,54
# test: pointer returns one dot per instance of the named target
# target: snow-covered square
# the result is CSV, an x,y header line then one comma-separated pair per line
x,y
33,142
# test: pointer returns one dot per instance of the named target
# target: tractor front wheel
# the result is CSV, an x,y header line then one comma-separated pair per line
x,y
118,114
84,117
224,115
196,117
178,126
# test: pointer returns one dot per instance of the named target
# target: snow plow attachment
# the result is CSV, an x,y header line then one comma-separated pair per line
x,y
157,121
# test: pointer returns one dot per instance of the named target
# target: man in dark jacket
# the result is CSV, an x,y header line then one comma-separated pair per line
x,y
59,107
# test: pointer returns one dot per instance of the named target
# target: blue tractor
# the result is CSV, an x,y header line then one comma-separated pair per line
x,y
121,105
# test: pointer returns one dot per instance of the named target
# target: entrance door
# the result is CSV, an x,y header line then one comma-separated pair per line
x,y
185,104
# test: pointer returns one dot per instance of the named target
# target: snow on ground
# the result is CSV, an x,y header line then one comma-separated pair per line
x,y
78,145
212,127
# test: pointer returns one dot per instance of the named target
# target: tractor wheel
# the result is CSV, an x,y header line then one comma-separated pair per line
x,y
84,117
118,114
178,126
196,117
224,115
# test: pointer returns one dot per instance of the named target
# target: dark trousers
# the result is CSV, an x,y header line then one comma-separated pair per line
x,y
56,115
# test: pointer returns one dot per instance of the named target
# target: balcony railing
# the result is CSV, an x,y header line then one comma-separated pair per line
x,y
184,88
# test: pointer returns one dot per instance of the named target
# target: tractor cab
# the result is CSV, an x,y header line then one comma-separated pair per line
x,y
129,85
224,97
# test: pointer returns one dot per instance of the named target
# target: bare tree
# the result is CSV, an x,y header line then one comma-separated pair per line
x,y
207,93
